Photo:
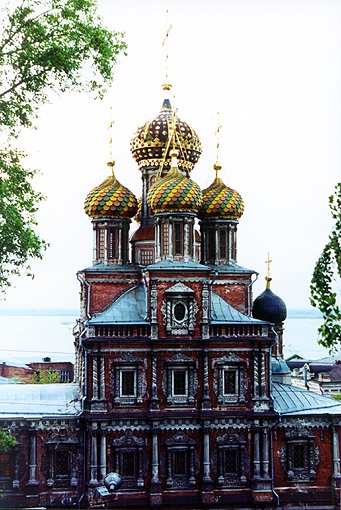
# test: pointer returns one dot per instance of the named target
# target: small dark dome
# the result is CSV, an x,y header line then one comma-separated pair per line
x,y
269,307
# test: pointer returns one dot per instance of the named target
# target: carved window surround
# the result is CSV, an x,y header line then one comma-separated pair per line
x,y
230,380
128,383
179,310
128,460
232,460
300,457
180,381
180,461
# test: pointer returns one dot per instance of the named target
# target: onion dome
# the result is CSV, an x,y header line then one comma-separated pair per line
x,y
268,306
150,145
110,200
174,192
138,215
219,202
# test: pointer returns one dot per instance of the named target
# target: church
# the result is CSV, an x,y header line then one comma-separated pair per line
x,y
181,391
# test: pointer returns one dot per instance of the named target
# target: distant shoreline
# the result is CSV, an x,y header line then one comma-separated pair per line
x,y
295,313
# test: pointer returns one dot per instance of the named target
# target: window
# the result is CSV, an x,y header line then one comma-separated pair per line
x,y
128,383
232,460
128,464
230,380
222,244
64,376
128,460
61,464
300,457
179,310
178,238
146,257
180,382
181,461
210,245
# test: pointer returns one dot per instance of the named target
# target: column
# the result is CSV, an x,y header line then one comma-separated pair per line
x,y
95,378
103,456
93,459
101,378
262,376
256,457
265,454
206,463
336,454
33,459
155,458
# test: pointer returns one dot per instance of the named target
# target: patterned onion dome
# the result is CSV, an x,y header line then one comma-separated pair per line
x,y
152,140
138,215
174,192
110,200
220,202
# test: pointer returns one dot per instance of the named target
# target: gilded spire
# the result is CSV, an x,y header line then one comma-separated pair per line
x,y
268,277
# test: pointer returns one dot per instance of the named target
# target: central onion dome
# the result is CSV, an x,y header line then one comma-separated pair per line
x,y
174,192
110,199
150,145
220,202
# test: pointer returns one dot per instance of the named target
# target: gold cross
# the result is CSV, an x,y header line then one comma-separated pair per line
x,y
268,262
165,45
217,134
110,130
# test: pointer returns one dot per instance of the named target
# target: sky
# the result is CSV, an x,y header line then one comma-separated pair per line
x,y
272,69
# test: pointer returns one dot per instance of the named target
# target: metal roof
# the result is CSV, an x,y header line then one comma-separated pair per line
x,y
129,308
222,312
291,400
38,400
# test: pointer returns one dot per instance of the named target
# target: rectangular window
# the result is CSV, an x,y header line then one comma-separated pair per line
x,y
230,382
210,245
222,244
128,383
180,462
230,461
180,382
128,464
64,376
61,463
299,456
178,239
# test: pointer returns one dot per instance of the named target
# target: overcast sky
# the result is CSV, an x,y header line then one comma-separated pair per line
x,y
273,71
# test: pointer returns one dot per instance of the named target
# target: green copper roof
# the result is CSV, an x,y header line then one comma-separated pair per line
x,y
130,308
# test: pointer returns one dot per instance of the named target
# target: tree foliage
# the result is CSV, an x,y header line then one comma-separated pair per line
x,y
44,376
18,204
6,441
52,45
45,46
325,294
